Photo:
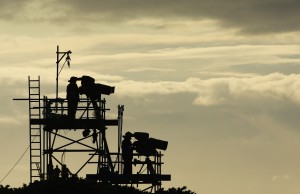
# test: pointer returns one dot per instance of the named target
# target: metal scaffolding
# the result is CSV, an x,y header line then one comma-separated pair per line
x,y
54,134
56,137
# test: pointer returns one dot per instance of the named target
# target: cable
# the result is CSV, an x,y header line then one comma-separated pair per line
x,y
62,67
17,162
15,165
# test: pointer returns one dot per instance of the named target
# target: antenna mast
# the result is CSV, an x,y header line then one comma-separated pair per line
x,y
58,59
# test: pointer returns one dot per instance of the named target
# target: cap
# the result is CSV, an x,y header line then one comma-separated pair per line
x,y
127,134
73,79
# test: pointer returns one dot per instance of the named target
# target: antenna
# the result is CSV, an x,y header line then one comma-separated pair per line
x,y
58,59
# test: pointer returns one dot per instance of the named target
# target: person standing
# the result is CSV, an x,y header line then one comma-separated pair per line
x,y
64,172
56,173
127,153
72,97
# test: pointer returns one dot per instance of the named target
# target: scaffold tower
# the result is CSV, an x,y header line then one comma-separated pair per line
x,y
82,137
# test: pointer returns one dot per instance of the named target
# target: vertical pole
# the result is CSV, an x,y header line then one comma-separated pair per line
x,y
120,124
44,161
57,61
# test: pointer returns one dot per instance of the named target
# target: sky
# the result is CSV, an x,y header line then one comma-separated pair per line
x,y
218,80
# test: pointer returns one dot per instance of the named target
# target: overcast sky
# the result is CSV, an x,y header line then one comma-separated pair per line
x,y
219,80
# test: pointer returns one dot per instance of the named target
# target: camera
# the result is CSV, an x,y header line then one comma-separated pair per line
x,y
148,146
94,90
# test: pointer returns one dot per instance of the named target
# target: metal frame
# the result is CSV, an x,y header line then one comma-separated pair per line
x,y
109,165
47,119
53,127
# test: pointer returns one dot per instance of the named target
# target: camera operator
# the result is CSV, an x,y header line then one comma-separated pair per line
x,y
127,153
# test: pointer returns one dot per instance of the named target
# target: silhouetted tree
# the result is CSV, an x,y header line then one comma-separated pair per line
x,y
173,190
81,186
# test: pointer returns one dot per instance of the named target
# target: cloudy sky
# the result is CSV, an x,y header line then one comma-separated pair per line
x,y
219,80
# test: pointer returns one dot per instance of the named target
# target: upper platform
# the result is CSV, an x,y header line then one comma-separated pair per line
x,y
66,123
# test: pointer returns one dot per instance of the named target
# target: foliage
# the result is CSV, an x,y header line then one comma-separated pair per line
x,y
81,186
179,190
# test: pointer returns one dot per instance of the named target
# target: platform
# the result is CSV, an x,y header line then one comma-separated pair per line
x,y
130,179
66,123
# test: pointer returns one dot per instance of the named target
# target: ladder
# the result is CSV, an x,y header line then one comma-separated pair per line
x,y
35,129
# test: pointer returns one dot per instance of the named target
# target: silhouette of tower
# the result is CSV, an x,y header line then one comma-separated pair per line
x,y
54,135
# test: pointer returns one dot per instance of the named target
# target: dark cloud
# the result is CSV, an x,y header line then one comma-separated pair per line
x,y
250,16
9,9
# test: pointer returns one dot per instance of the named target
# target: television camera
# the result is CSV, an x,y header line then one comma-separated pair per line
x,y
93,90
148,146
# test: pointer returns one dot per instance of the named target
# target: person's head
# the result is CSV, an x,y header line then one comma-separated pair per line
x,y
127,135
73,79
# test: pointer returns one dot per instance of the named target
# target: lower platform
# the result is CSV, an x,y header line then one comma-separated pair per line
x,y
129,179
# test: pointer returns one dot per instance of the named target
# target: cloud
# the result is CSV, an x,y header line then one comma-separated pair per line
x,y
142,69
217,91
8,120
250,16
281,178
8,9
